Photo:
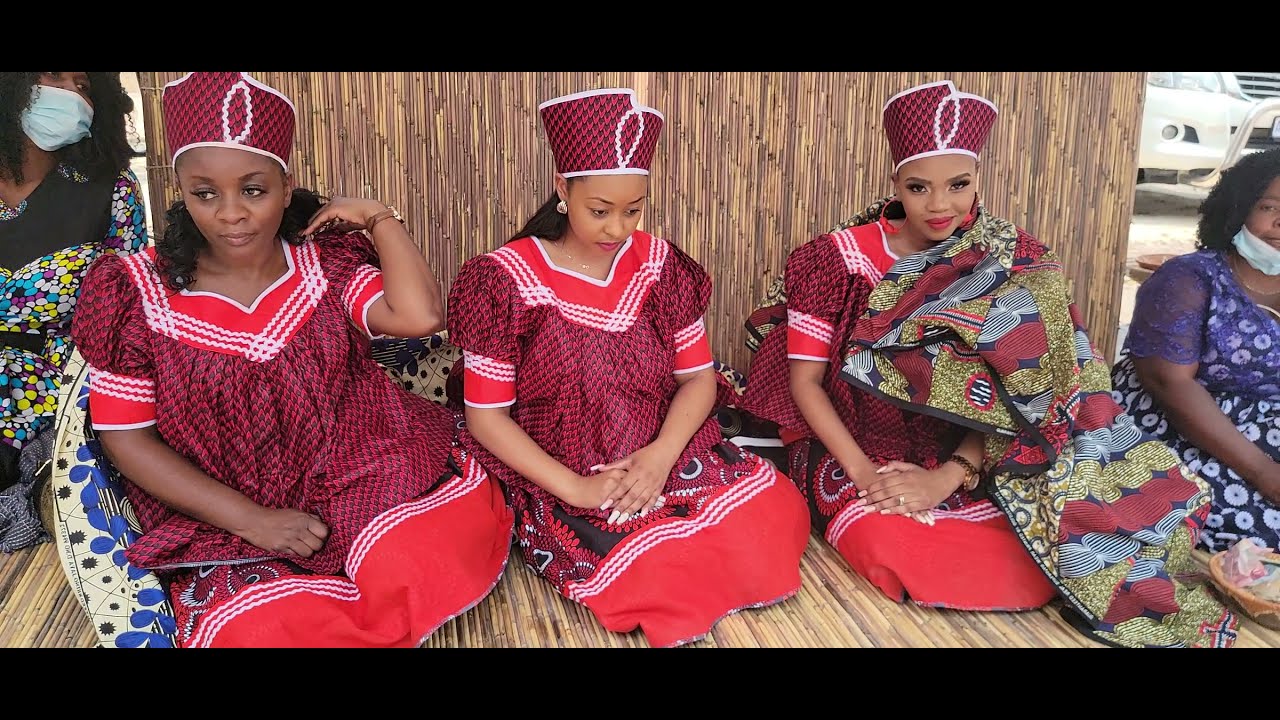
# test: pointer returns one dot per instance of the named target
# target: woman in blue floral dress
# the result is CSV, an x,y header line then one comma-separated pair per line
x,y
66,195
1201,365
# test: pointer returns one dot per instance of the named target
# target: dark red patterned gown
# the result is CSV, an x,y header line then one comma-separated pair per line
x,y
970,559
283,402
588,369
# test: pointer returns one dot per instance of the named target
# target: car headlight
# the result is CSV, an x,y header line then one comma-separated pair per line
x,y
1203,81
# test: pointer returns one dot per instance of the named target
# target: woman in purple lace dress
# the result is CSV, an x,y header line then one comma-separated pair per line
x,y
1201,366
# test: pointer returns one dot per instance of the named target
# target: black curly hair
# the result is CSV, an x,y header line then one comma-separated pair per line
x,y
1223,213
179,247
101,156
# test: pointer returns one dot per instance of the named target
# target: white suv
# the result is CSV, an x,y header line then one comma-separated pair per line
x,y
1189,117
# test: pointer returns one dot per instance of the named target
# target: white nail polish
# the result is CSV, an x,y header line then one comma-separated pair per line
x,y
613,518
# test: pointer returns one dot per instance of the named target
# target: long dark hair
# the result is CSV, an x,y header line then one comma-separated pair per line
x,y
547,223
1228,205
180,246
101,156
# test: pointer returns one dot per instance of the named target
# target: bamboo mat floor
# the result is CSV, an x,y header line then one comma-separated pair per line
x,y
834,608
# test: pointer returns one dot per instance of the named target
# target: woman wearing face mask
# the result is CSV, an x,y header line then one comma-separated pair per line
x,y
66,196
1201,364
948,421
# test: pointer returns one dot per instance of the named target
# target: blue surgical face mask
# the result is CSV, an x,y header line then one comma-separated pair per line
x,y
1257,252
56,118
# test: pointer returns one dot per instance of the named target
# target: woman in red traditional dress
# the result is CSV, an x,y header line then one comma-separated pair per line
x,y
288,491
947,420
588,388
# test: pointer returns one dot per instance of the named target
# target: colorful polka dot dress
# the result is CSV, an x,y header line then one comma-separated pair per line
x,y
38,299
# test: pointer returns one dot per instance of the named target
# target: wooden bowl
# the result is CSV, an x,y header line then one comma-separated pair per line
x,y
1263,612
1154,261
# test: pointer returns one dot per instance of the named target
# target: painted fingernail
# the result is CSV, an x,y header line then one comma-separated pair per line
x,y
595,468
881,470
624,518
862,493
607,504
614,517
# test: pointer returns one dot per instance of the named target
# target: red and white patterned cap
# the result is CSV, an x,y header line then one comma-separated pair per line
x,y
935,119
227,109
601,132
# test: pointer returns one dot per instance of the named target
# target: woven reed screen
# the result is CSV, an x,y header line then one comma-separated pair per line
x,y
750,165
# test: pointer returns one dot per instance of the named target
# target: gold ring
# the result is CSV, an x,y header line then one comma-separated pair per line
x,y
902,500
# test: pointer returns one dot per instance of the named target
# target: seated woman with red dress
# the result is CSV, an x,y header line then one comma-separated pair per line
x,y
289,493
588,388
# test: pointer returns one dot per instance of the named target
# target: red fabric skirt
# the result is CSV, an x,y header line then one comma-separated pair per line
x,y
676,578
410,570
970,559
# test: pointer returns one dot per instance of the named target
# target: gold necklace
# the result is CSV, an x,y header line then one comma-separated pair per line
x,y
570,257
1240,277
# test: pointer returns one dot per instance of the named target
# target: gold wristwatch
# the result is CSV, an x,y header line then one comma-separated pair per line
x,y
971,474
390,212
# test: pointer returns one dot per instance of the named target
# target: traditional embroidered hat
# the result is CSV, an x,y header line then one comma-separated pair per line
x,y
227,109
935,119
601,132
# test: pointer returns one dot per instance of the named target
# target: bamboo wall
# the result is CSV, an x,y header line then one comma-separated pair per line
x,y
750,165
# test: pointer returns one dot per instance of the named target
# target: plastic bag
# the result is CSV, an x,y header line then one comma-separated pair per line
x,y
1242,565
1269,587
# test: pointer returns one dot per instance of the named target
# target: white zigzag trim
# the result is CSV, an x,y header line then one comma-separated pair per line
x,y
489,368
690,336
855,261
138,390
974,512
534,292
226,114
364,275
389,520
261,594
256,347
713,514
816,328
337,588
